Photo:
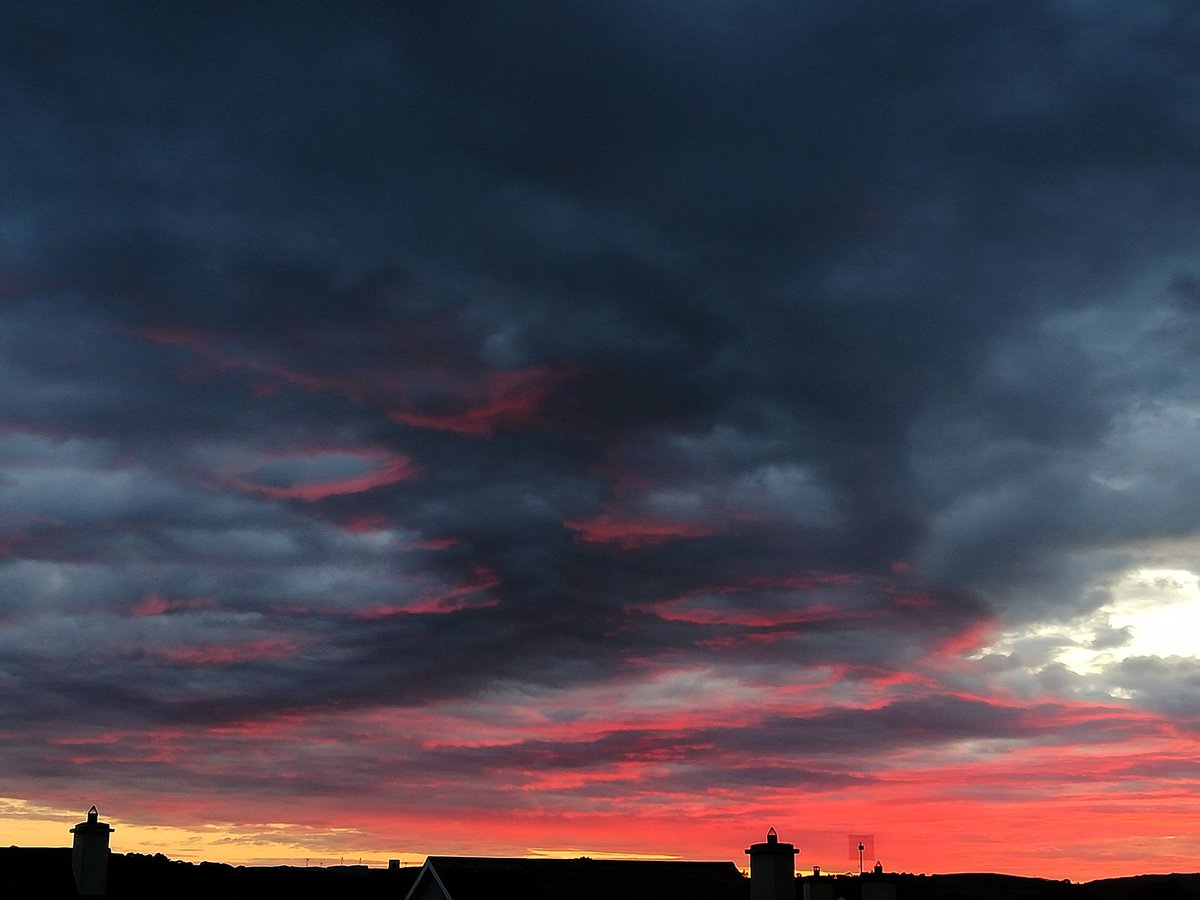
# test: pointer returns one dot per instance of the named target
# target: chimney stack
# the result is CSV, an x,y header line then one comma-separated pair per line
x,y
89,855
772,869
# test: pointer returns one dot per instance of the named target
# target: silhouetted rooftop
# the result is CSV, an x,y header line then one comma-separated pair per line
x,y
45,874
466,878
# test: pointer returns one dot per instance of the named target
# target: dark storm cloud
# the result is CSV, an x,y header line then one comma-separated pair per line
x,y
546,318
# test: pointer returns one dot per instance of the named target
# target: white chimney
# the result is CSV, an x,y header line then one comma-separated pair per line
x,y
89,855
772,869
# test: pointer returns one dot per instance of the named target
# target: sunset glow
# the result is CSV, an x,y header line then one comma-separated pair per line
x,y
603,429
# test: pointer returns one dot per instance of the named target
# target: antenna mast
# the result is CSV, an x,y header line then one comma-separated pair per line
x,y
860,844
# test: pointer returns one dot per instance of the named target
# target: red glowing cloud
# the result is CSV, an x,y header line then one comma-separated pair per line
x,y
156,605
699,612
475,405
467,596
228,654
369,523
739,604
632,534
314,474
13,542
500,399
176,336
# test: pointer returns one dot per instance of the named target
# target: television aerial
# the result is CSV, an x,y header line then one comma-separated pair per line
x,y
860,844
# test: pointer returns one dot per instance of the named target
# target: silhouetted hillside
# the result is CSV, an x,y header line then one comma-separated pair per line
x,y
1151,887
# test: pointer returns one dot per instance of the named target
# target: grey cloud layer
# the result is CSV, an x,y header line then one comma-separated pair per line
x,y
902,292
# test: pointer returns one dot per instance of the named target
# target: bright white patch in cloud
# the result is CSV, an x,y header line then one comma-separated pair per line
x,y
1153,612
1161,610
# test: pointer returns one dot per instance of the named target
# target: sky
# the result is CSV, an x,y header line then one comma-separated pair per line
x,y
559,428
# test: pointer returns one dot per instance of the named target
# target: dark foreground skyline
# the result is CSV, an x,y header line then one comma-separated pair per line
x,y
44,874
584,428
